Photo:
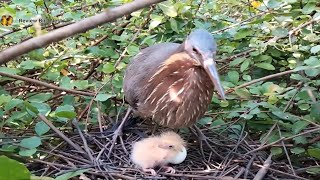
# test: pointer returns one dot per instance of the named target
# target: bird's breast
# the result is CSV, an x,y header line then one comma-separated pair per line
x,y
177,94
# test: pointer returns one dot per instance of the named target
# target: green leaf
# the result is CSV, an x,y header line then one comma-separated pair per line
x,y
168,8
42,108
31,109
70,175
205,120
31,142
242,33
65,111
245,65
273,3
315,111
272,99
133,50
300,140
9,70
276,151
233,76
315,152
246,116
27,152
297,150
304,107
299,126
66,83
41,97
103,97
12,104
255,111
307,9
27,64
41,128
224,103
263,58
108,68
217,123
312,61
266,66
237,61
81,84
155,21
285,116
174,25
280,32
243,93
137,13
313,170
66,114
315,49
312,72
246,77
4,98
12,169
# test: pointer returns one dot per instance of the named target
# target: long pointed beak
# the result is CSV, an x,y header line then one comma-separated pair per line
x,y
210,66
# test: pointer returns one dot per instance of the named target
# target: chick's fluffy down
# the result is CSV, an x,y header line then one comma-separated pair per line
x,y
147,153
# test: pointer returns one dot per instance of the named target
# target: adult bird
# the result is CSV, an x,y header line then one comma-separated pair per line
x,y
173,83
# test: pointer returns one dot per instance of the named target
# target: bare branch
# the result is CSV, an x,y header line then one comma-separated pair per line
x,y
70,30
34,81
264,169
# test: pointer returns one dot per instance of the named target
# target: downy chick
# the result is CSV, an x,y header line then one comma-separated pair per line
x,y
159,151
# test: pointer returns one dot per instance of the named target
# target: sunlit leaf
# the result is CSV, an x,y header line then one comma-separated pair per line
x,y
266,66
103,97
41,128
297,150
12,169
71,174
315,49
31,142
314,152
168,8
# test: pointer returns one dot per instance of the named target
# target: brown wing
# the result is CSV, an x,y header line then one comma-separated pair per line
x,y
141,69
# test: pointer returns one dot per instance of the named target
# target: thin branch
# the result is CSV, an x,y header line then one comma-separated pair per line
x,y
85,144
286,151
73,29
264,169
247,21
262,79
75,146
283,139
33,81
236,55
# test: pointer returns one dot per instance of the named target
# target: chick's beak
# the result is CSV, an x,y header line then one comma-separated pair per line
x,y
210,67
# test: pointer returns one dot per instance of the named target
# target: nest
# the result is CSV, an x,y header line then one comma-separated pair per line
x,y
222,156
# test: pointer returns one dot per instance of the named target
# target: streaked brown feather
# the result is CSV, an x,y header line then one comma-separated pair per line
x,y
160,78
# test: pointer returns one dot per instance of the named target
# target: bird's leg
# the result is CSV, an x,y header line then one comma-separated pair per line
x,y
201,138
118,132
150,170
169,169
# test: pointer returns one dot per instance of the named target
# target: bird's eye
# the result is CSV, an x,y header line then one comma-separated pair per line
x,y
170,146
195,51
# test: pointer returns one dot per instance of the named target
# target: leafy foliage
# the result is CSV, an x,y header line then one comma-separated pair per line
x,y
255,39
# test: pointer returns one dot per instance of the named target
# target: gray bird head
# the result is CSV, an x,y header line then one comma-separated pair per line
x,y
202,47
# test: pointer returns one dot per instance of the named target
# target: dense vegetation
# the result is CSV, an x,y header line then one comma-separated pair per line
x,y
276,40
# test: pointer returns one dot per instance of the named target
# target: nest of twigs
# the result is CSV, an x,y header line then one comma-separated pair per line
x,y
227,154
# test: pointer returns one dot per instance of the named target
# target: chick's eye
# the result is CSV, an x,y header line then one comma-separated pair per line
x,y
170,146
